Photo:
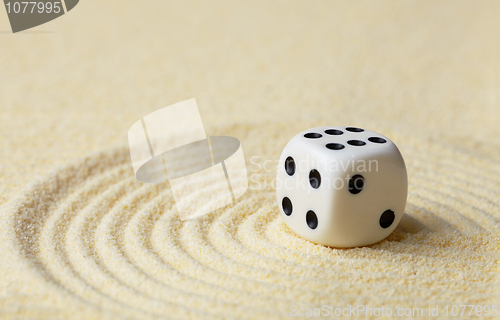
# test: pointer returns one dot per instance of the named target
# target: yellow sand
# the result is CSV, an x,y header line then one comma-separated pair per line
x,y
80,238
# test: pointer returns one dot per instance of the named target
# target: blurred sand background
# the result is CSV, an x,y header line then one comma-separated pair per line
x,y
81,239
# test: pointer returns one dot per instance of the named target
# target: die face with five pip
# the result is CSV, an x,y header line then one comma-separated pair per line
x,y
341,186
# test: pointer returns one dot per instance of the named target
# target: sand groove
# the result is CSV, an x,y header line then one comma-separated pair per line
x,y
96,233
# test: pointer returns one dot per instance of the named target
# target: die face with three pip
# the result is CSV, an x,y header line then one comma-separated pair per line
x,y
341,186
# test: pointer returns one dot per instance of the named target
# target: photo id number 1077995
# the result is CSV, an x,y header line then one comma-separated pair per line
x,y
33,7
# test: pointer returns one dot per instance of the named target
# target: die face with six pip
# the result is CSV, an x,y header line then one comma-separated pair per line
x,y
341,186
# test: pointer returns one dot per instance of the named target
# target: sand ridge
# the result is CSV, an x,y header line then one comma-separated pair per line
x,y
93,231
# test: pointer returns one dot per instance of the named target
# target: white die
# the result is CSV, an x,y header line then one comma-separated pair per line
x,y
341,186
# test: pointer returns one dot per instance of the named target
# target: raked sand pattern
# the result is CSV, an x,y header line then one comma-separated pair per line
x,y
113,243
82,239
